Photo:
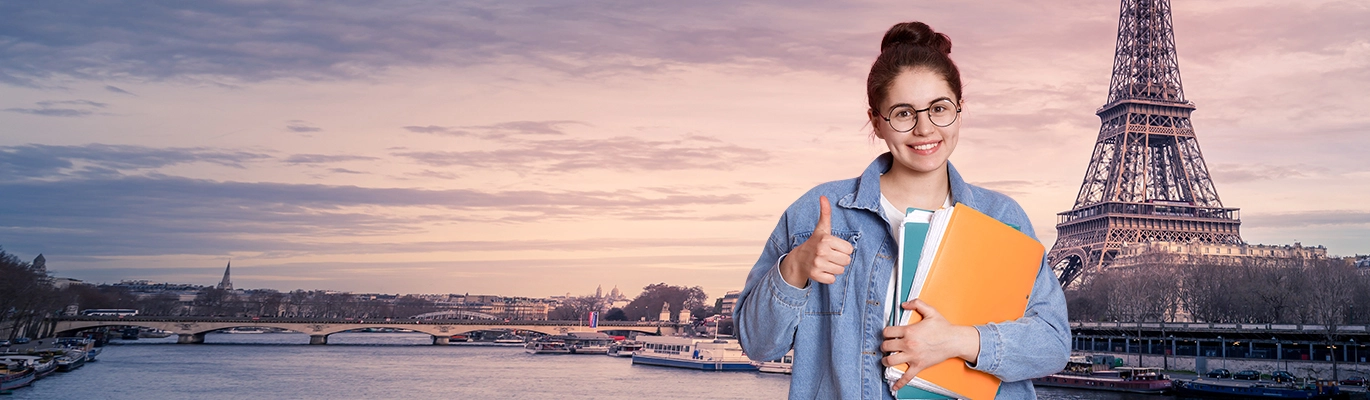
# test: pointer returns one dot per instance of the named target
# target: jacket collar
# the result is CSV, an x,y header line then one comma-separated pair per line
x,y
867,195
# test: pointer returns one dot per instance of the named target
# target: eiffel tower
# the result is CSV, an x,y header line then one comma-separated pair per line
x,y
1146,180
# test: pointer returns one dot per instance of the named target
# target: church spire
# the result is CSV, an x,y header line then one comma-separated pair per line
x,y
226,284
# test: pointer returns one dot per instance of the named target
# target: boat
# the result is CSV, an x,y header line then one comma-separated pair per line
x,y
692,353
1080,373
14,375
153,333
42,366
71,360
586,342
784,365
92,352
244,329
546,347
624,348
1210,388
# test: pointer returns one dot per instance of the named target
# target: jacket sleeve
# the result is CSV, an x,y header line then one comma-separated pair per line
x,y
768,309
1036,345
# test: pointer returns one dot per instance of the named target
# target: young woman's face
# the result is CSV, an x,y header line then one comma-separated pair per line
x,y
926,147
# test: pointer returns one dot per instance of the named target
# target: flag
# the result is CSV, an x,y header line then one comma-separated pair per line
x,y
594,319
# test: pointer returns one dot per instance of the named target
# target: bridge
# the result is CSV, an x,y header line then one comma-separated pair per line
x,y
193,329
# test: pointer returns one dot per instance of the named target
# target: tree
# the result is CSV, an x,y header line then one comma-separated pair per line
x,y
615,314
648,304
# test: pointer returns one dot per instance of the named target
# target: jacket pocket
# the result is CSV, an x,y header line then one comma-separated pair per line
x,y
829,299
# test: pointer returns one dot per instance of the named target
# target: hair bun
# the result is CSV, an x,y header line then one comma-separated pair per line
x,y
916,34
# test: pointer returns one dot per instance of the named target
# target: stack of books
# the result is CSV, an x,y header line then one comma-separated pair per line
x,y
973,270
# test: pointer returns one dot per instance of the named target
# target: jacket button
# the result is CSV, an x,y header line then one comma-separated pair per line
x,y
873,302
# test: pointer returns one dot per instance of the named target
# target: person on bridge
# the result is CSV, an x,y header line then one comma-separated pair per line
x,y
822,284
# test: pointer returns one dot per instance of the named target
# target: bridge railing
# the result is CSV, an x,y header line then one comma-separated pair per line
x,y
367,321
1217,326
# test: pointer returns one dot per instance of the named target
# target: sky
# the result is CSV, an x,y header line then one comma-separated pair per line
x,y
547,148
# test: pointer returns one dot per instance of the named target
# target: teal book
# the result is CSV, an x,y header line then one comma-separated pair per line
x,y
911,250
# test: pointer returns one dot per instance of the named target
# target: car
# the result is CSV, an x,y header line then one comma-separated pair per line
x,y
1282,377
1247,374
1220,373
5,343
21,340
1353,381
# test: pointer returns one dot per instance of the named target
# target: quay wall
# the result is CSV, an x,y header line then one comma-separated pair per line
x,y
1300,368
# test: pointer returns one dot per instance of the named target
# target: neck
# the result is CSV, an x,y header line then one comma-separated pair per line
x,y
905,187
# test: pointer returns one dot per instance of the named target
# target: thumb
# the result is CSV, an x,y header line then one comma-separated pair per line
x,y
824,216
922,308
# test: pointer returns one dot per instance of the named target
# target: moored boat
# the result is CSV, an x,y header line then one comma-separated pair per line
x,y
1209,388
71,360
546,347
1081,374
784,365
586,342
14,375
624,348
42,366
700,354
153,333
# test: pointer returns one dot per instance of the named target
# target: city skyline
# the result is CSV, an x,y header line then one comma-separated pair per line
x,y
522,148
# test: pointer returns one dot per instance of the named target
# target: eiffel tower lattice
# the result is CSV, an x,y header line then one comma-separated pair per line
x,y
1147,180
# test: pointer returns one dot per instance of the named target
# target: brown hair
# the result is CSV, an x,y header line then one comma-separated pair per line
x,y
910,45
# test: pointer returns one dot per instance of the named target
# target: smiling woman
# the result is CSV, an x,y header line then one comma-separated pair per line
x,y
823,276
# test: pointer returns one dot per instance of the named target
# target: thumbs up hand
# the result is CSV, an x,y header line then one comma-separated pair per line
x,y
822,257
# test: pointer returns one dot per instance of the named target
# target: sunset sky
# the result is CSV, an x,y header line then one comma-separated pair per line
x,y
545,148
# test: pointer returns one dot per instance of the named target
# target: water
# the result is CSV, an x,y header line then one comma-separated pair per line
x,y
395,365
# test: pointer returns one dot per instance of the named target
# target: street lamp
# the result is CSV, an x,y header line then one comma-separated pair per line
x,y
1224,346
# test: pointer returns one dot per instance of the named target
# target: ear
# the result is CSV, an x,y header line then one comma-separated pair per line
x,y
876,122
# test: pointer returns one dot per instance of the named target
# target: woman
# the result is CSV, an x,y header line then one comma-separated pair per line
x,y
822,284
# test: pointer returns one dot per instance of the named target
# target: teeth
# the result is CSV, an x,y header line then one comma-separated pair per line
x,y
928,146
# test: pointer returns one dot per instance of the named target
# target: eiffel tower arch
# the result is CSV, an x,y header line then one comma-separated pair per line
x,y
1146,180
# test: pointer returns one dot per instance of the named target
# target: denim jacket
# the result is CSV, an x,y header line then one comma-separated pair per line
x,y
835,329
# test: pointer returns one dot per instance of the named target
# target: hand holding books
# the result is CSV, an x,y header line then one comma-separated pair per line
x,y
821,258
927,342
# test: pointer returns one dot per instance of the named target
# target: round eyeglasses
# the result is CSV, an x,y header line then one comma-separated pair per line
x,y
903,118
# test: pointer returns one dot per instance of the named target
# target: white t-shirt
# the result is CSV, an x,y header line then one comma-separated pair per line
x,y
895,217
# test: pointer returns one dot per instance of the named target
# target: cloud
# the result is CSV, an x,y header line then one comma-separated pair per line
x,y
153,215
48,108
325,158
1238,173
344,171
51,112
116,89
36,161
622,153
1306,218
302,128
501,130
261,41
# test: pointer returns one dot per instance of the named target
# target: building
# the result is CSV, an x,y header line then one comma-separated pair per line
x,y
729,300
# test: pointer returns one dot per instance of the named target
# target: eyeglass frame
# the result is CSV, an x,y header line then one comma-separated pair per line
x,y
915,114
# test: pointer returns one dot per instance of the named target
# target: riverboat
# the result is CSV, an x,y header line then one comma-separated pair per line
x,y
586,342
14,375
1080,374
624,348
784,365
42,366
71,360
1208,388
245,329
699,354
153,333
546,347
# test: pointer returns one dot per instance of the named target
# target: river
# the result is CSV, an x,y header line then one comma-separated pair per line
x,y
394,366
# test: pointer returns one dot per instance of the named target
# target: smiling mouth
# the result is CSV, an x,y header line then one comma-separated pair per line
x,y
925,147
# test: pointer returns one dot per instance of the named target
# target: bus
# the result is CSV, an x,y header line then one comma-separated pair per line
x,y
109,312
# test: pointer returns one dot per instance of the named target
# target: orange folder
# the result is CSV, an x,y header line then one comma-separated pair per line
x,y
983,271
